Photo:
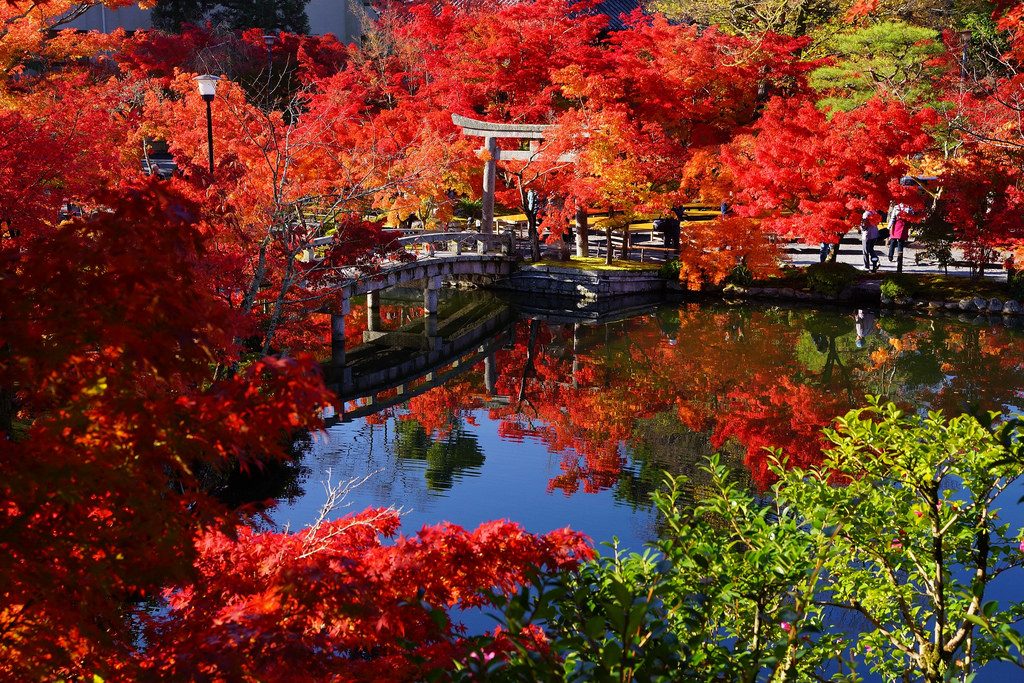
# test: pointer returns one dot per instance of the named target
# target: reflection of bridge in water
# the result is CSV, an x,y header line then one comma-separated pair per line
x,y
391,367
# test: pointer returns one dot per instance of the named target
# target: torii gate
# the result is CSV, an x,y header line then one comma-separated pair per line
x,y
490,132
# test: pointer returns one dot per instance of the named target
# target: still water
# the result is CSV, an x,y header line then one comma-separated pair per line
x,y
556,418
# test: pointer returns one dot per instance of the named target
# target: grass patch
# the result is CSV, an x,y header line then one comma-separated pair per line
x,y
831,278
943,288
598,263
789,278
926,287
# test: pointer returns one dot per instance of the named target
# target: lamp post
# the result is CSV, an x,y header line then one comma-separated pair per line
x,y
208,88
269,39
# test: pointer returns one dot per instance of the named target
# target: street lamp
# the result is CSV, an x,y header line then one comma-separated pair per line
x,y
208,88
269,39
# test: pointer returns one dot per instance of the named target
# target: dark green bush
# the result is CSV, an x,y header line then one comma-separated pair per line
x,y
740,276
898,287
830,278
1015,284
669,270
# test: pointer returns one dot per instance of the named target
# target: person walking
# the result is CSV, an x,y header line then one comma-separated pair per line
x,y
869,237
865,324
830,250
898,230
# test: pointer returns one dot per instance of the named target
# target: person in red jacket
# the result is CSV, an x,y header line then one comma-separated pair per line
x,y
898,229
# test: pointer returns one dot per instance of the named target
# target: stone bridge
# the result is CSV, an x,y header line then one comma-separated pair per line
x,y
437,257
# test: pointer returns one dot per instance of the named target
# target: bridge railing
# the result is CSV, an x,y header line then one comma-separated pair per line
x,y
457,242
453,242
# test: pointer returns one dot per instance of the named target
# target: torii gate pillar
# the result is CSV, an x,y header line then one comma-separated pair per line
x,y
490,132
490,176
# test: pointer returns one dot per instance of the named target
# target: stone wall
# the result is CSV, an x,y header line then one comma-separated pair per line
x,y
586,284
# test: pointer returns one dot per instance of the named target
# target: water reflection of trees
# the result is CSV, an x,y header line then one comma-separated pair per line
x,y
447,456
662,443
258,487
661,391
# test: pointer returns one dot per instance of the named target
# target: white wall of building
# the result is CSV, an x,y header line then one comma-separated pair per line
x,y
340,17
105,20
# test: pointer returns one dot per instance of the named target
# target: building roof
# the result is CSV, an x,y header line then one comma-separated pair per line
x,y
615,9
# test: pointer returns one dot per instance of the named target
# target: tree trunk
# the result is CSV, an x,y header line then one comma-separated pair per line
x,y
277,312
625,241
258,274
582,233
531,221
608,243
530,358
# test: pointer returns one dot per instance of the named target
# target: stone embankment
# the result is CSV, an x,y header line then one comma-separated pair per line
x,y
994,306
788,294
592,285
576,282
976,305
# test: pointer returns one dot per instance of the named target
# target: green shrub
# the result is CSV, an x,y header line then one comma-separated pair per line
x,y
740,276
898,287
468,208
830,278
751,588
1015,285
669,270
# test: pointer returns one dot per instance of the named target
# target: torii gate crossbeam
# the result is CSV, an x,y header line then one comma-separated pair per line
x,y
490,132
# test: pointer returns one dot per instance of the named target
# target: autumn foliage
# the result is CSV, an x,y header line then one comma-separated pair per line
x,y
152,332
335,602
816,172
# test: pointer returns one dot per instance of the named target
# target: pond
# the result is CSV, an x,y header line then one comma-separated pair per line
x,y
553,416
556,418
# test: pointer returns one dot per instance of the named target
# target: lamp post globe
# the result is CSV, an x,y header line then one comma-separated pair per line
x,y
208,89
207,84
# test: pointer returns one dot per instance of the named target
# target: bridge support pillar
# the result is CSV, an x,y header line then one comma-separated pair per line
x,y
338,332
490,373
430,294
577,336
373,311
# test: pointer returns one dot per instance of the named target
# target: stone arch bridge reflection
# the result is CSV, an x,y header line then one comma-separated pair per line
x,y
391,367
